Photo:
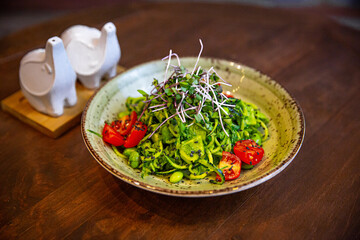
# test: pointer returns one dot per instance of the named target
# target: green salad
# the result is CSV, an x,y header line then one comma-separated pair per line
x,y
187,124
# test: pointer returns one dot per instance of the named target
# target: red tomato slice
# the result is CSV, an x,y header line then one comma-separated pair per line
x,y
228,95
249,151
137,133
110,135
230,165
127,122
116,125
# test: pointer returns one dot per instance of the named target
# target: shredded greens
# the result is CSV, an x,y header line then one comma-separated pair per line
x,y
190,123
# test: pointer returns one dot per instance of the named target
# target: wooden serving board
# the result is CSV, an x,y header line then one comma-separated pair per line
x,y
18,106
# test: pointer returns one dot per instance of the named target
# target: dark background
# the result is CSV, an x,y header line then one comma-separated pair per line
x,y
18,14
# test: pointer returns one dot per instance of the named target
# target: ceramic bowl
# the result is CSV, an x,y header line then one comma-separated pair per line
x,y
286,127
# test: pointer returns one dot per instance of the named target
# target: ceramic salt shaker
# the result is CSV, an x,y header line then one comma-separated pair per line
x,y
47,79
92,53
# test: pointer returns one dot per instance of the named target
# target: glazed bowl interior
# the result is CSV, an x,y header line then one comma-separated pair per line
x,y
286,127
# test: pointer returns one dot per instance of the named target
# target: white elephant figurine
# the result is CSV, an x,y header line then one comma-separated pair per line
x,y
47,79
92,53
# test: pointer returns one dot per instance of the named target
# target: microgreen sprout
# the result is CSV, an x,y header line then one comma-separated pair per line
x,y
199,84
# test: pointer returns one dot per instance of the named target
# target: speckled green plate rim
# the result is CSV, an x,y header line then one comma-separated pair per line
x,y
201,193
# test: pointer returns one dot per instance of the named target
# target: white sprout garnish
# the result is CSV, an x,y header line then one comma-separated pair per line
x,y
159,105
167,67
202,87
159,109
190,124
201,49
198,70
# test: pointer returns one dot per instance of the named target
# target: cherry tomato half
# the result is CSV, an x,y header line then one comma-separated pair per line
x,y
249,151
230,165
137,133
228,95
127,122
110,135
116,125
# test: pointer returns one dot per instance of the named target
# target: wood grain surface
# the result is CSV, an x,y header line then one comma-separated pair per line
x,y
18,106
54,189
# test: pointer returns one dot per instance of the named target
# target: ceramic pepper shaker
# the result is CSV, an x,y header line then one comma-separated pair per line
x,y
47,79
92,53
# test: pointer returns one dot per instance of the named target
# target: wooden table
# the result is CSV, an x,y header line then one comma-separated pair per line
x,y
55,189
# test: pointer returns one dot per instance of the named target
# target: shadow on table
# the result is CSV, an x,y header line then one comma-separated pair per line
x,y
185,210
